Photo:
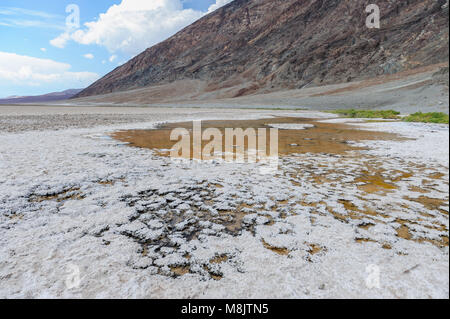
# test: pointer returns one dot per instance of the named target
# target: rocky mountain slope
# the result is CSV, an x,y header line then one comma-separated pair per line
x,y
260,46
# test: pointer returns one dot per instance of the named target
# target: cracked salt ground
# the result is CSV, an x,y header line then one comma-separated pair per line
x,y
173,220
139,225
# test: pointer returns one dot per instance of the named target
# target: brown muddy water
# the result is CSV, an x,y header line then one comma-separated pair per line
x,y
322,138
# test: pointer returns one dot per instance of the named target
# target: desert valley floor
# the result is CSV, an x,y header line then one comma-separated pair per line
x,y
132,223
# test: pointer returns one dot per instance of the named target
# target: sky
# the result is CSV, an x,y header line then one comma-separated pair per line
x,y
49,46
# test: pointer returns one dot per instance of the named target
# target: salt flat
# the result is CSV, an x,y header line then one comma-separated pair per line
x,y
132,224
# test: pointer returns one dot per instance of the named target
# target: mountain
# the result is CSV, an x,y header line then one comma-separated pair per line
x,y
55,96
260,46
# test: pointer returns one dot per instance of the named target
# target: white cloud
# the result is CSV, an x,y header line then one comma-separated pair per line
x,y
89,56
112,58
43,49
134,25
23,18
12,11
218,4
31,71
61,40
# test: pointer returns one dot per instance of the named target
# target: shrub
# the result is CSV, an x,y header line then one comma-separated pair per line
x,y
433,117
352,113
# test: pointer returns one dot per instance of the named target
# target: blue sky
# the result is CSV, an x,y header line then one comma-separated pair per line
x,y
40,54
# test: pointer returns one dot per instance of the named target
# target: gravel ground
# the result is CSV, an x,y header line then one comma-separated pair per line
x,y
406,93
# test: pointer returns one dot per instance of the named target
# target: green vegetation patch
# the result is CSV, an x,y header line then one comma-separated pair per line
x,y
352,113
433,117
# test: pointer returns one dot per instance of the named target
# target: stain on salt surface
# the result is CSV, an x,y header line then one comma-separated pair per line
x,y
69,194
278,250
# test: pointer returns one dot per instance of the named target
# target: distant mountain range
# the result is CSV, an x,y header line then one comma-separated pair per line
x,y
55,96
261,46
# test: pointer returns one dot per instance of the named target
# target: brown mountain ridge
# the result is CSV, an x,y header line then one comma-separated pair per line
x,y
261,46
